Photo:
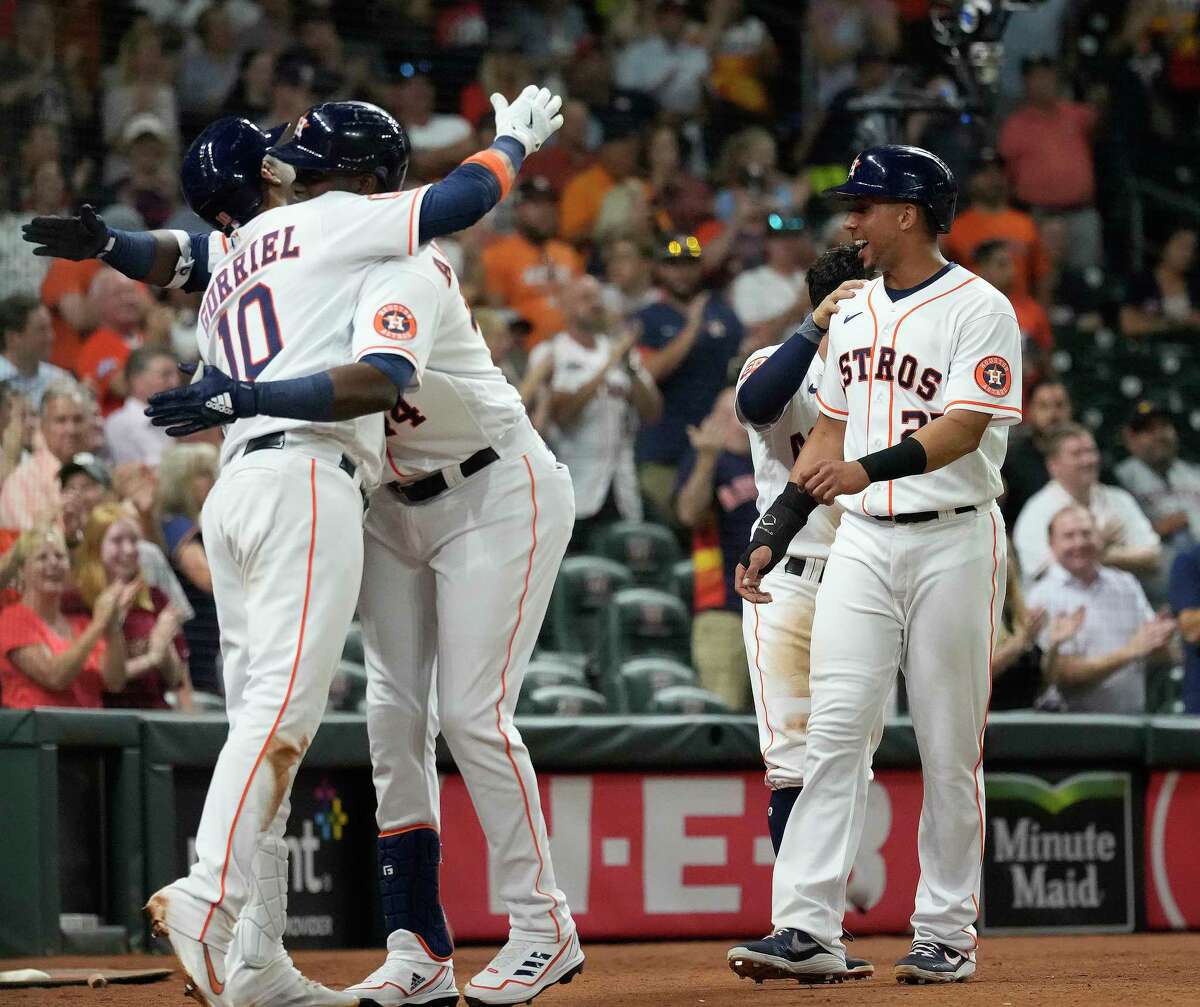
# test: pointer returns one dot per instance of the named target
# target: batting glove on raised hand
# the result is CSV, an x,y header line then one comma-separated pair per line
x,y
530,120
75,238
211,401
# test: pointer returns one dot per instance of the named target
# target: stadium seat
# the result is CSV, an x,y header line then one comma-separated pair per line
x,y
689,699
648,550
1164,690
683,580
642,677
349,687
207,702
561,701
552,669
584,587
640,621
352,649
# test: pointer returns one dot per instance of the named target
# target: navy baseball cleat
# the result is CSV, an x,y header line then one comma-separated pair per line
x,y
788,954
930,962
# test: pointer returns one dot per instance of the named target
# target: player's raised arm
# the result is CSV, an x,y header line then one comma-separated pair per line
x,y
358,148
765,392
470,191
162,258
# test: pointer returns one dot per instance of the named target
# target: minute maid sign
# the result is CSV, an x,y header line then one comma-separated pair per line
x,y
1059,855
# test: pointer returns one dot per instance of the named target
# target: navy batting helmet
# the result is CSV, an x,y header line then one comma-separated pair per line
x,y
348,137
904,175
221,172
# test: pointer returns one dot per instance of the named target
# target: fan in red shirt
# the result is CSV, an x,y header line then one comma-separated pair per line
x,y
1046,144
48,658
156,652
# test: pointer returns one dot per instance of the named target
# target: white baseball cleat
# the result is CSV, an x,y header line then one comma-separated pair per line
x,y
410,975
523,969
203,965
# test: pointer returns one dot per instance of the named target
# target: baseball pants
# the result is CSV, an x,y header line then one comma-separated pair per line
x,y
281,532
454,592
925,598
778,638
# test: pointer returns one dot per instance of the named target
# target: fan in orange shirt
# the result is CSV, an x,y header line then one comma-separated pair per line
x,y
617,162
526,270
119,306
995,263
991,218
65,293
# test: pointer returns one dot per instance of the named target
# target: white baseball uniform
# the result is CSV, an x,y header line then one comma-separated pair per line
x,y
455,587
777,634
922,596
282,527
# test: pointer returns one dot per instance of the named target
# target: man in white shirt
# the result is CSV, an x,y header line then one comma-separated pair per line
x,y
439,142
665,65
599,394
27,337
772,299
1127,539
1167,487
128,433
1102,668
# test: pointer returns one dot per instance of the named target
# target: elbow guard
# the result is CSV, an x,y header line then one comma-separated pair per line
x,y
780,524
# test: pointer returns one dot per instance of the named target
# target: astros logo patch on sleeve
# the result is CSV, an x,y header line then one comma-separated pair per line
x,y
752,366
395,321
994,376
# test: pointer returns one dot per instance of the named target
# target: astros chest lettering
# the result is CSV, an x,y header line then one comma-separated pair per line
x,y
885,365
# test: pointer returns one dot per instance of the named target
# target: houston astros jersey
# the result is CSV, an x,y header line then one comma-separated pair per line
x,y
281,297
894,365
459,402
775,446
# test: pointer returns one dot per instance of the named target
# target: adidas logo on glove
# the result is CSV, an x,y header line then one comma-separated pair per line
x,y
220,404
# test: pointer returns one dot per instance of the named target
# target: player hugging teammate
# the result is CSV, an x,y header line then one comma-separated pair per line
x,y
924,379
328,304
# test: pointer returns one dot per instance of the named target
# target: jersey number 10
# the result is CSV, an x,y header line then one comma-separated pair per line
x,y
259,298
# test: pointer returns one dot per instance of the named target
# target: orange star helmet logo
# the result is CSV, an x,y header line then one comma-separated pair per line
x,y
301,125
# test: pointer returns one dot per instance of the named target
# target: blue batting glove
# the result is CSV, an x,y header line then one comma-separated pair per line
x,y
212,401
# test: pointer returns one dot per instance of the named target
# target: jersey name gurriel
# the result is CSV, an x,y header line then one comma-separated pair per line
x,y
276,245
950,343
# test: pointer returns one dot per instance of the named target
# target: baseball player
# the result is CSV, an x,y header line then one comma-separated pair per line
x,y
476,520
776,403
925,378
277,305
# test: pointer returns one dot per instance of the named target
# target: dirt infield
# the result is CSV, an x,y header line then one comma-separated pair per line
x,y
1142,969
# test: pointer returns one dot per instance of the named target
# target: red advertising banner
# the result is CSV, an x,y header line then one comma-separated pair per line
x,y
1172,868
679,855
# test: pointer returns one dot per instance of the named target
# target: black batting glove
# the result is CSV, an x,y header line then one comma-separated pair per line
x,y
212,401
74,238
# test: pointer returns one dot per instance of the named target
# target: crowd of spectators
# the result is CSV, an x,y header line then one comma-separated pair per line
x,y
663,235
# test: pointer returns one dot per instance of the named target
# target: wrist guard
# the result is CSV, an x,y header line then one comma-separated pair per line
x,y
907,458
780,524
